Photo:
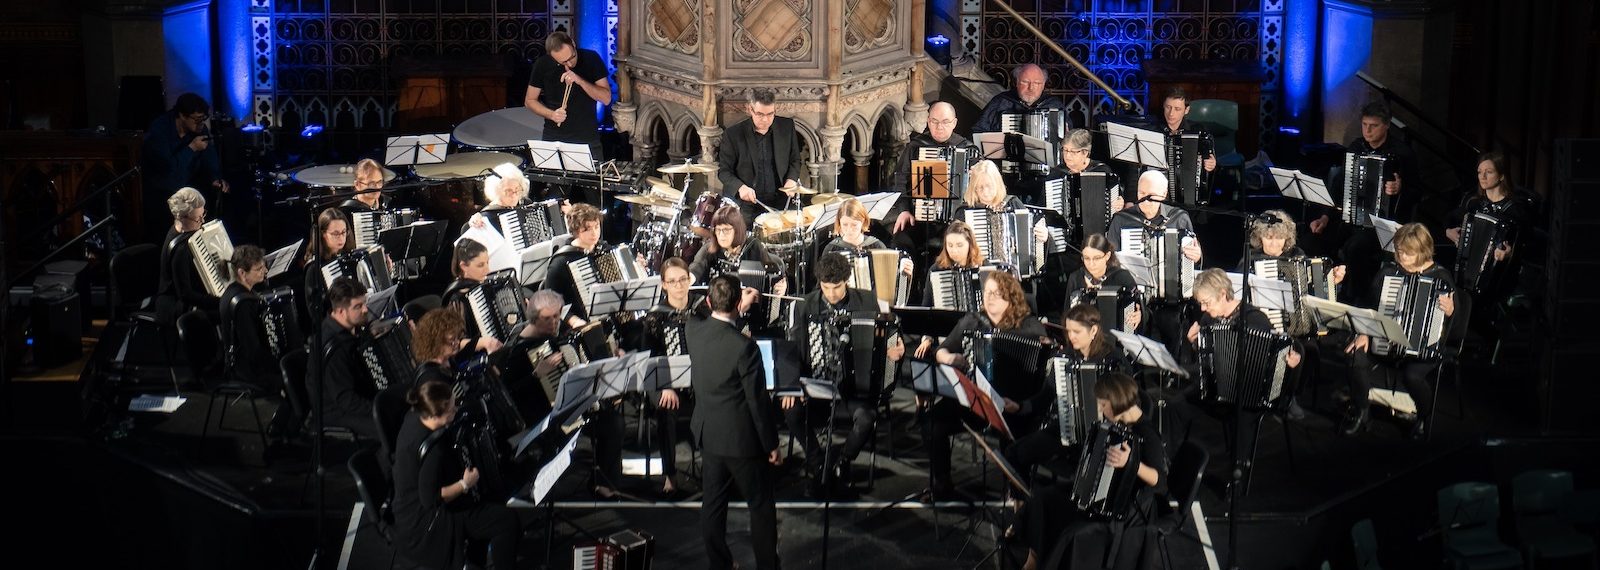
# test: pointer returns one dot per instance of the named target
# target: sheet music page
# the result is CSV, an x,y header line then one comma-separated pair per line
x,y
501,254
551,472
156,403
279,262
1386,230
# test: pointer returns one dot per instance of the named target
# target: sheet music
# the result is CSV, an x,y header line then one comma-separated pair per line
x,y
501,255
1148,352
279,261
1137,265
1138,146
564,156
552,471
995,399
156,403
1293,184
658,372
534,263
416,149
879,204
768,363
382,303
1369,322
1386,230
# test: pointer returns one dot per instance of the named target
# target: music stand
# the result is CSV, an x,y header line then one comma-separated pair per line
x,y
930,179
1293,184
927,321
1143,274
534,262
550,473
382,303
662,372
280,260
879,204
415,240
1264,293
618,296
1014,147
933,379
1386,230
1369,322
1136,145
1148,352
411,150
563,156
502,255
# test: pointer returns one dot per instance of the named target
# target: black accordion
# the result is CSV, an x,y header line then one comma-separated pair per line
x,y
385,352
1005,237
496,305
957,289
485,419
1092,191
1364,175
998,354
529,225
604,266
1307,276
370,266
1481,234
1242,365
867,370
1173,273
878,271
1413,300
1099,490
1186,154
1049,125
1076,410
581,346
366,227
938,181
280,326
1116,306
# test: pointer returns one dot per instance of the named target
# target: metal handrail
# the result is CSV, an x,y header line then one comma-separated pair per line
x,y
1122,102
76,207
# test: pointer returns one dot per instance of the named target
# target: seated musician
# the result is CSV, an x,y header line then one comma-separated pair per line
x,y
369,196
505,191
1152,212
1413,256
328,239
759,158
470,265
432,512
180,288
1213,291
834,300
584,222
987,189
437,337
1005,311
732,244
1513,206
1101,270
941,133
1050,520
1273,236
1027,95
662,333
250,359
1087,343
850,233
346,387
960,251
522,374
1174,116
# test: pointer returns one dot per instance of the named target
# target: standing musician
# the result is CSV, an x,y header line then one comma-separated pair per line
x,y
1087,343
250,358
1028,95
732,244
176,154
346,391
941,133
179,287
329,238
1005,311
665,333
1174,116
1514,207
563,87
584,222
432,513
470,265
368,189
1213,291
759,159
1101,270
1413,256
1050,521
832,302
732,425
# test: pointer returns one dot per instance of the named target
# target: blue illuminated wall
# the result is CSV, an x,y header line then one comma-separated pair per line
x,y
1300,62
186,31
233,58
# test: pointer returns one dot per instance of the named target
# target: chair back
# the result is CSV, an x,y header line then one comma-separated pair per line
x,y
293,366
374,489
200,344
389,413
1221,119
1540,492
1468,505
1365,541
132,269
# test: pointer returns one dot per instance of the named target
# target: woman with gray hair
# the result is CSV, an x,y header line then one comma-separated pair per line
x,y
179,287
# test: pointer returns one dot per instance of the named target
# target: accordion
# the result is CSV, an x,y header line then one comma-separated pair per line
x,y
957,289
867,370
576,347
533,224
1364,175
1076,410
279,324
1003,353
616,264
1308,276
1005,237
1092,192
1099,490
625,550
1481,233
213,252
1186,171
878,271
1173,273
496,305
386,353
1116,306
370,266
1413,300
1239,364
938,181
1047,124
368,225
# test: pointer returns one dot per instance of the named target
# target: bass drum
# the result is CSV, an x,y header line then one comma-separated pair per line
x,y
705,207
655,243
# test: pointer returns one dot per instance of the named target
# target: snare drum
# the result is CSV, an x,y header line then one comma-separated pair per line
x,y
705,207
782,232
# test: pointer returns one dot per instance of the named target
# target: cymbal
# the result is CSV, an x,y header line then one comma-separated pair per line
x,y
645,200
687,169
657,182
829,198
802,190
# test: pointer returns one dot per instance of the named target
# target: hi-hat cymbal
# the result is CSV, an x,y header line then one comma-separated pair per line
x,y
645,200
829,198
657,182
802,190
687,169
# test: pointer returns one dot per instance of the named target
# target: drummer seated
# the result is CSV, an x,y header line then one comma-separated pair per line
x,y
850,231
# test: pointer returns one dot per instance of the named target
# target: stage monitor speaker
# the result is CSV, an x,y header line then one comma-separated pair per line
x,y
56,325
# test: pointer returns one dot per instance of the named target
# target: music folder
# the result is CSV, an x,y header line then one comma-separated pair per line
x,y
416,149
1293,184
1136,145
417,239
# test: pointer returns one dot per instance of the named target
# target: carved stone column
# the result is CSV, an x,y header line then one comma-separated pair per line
x,y
862,160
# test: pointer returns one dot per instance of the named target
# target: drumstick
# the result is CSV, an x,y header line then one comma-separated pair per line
x,y
565,94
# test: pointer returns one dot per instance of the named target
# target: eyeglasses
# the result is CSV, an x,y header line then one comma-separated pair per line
x,y
1096,258
679,281
949,123
340,233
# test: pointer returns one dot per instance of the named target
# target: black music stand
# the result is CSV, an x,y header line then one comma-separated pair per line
x,y
281,259
1137,146
658,373
534,264
412,243
570,159
410,150
927,321
1018,148
1014,479
619,296
1386,230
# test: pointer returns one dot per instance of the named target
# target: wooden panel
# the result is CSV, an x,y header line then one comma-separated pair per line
x,y
71,164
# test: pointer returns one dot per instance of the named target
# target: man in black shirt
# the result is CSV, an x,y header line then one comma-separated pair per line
x,y
345,392
1174,113
176,153
1028,96
760,158
564,86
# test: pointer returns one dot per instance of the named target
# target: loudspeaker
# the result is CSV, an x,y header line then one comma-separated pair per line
x,y
56,329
